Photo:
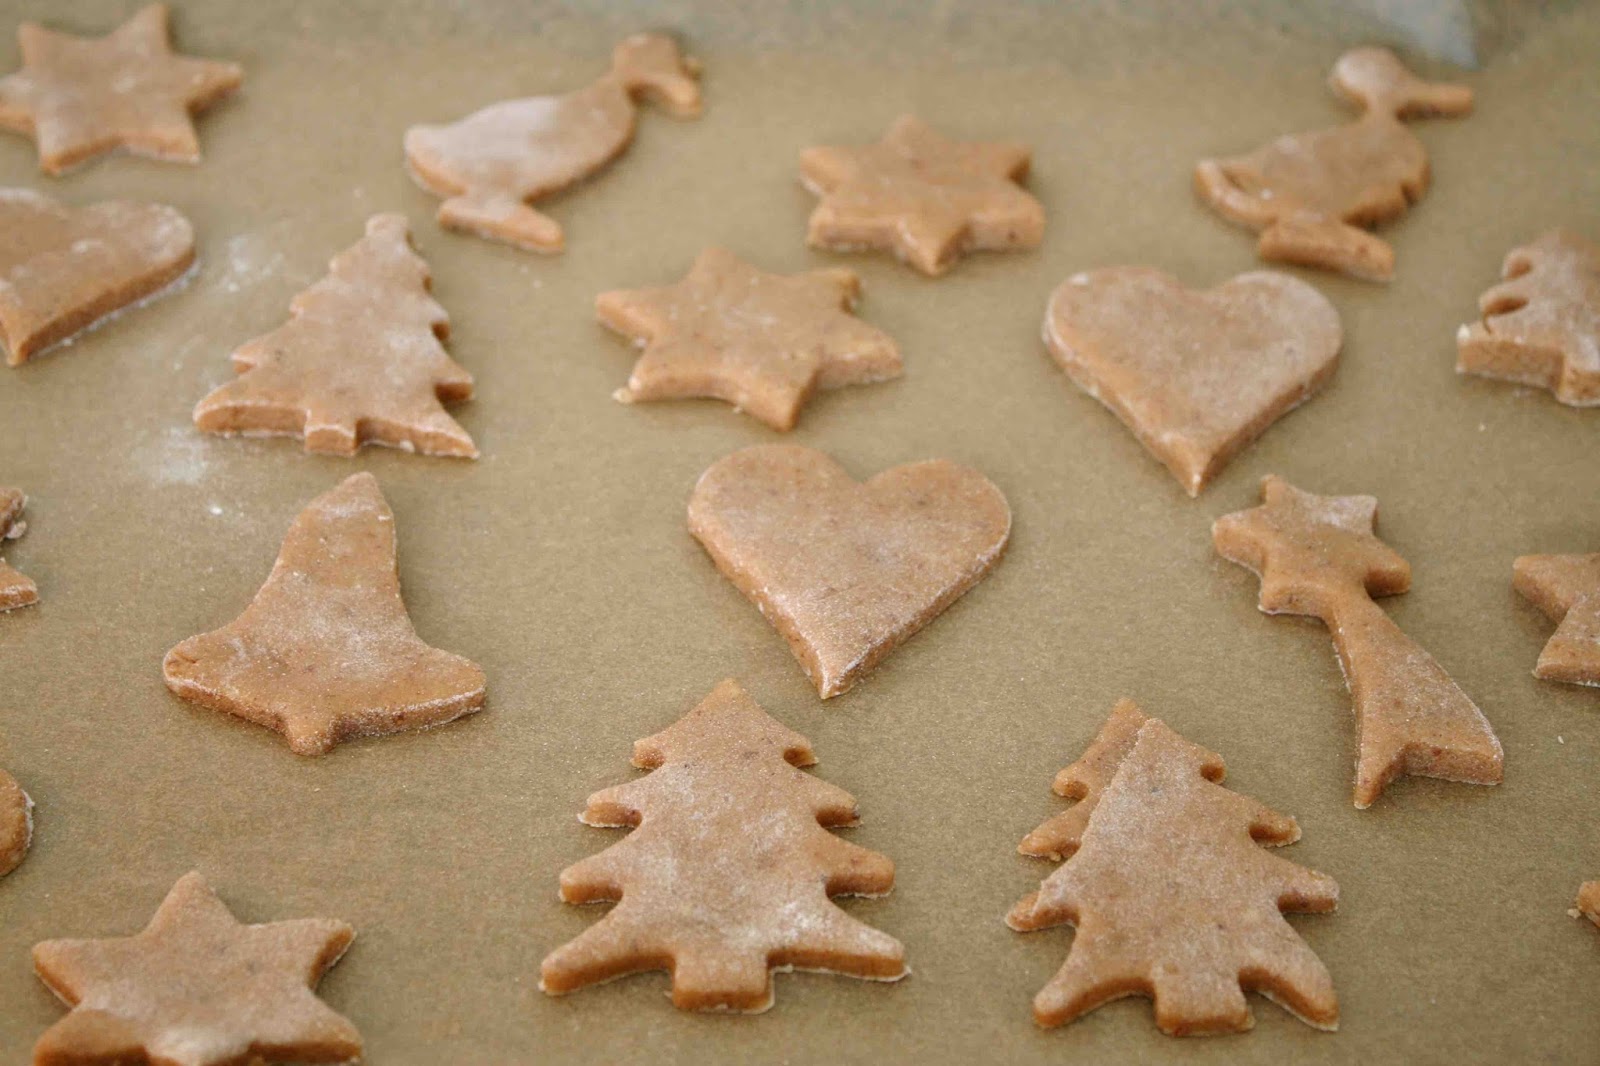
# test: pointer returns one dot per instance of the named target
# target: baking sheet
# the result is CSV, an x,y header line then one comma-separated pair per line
x,y
560,561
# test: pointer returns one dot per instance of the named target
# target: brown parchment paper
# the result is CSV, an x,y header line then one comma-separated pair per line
x,y
560,561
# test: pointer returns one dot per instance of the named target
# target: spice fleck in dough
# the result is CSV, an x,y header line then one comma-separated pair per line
x,y
1195,375
926,199
16,823
80,97
1174,896
1541,324
196,988
326,652
1311,194
490,164
730,869
63,269
762,342
1567,589
360,361
1317,555
846,570
16,590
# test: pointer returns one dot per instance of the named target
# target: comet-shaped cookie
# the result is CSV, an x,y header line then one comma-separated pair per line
x,y
1311,194
1567,589
1317,555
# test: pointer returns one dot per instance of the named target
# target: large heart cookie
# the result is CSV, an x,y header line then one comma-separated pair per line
x,y
1195,375
846,570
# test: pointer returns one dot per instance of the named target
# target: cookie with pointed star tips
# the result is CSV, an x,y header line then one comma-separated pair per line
x,y
198,988
63,269
762,342
80,97
326,651
927,199
1567,589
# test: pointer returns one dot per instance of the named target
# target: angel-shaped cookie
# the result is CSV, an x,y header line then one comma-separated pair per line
x,y
1317,555
1311,194
491,163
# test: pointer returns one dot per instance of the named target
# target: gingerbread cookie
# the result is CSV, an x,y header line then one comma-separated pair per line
x,y
1311,194
16,823
762,342
1317,555
1195,375
729,869
1541,325
360,361
1567,589
490,164
926,199
326,652
1174,898
80,97
846,570
63,269
16,590
1589,901
196,988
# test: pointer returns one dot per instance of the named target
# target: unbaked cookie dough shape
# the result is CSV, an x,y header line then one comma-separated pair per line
x,y
762,342
1541,324
1588,903
1318,556
1172,891
326,651
490,164
1311,195
728,872
63,269
16,823
80,97
846,571
197,988
1567,589
1196,375
360,361
927,199
16,590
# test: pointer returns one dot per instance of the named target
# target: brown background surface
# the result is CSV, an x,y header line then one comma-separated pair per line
x,y
560,561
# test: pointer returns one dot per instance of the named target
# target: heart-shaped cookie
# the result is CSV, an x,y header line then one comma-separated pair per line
x,y
846,570
1195,375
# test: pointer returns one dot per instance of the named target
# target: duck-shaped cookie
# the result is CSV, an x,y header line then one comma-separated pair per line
x,y
491,163
1311,194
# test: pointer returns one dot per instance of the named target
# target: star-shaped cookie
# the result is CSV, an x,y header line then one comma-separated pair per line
x,y
927,199
80,97
197,988
1567,589
762,342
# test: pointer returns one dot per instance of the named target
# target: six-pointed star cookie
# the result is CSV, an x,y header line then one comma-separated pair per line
x,y
83,96
1567,589
197,988
762,342
927,199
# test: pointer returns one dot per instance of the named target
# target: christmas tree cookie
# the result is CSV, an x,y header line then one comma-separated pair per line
x,y
728,872
1171,891
361,360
